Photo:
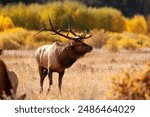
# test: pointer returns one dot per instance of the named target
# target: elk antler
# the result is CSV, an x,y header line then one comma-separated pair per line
x,y
69,30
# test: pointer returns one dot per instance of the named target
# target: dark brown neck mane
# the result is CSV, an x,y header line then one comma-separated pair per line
x,y
67,56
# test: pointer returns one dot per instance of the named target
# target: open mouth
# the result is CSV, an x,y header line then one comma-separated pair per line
x,y
89,50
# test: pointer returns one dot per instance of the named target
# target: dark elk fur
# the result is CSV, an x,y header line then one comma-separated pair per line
x,y
8,83
57,57
5,83
1,51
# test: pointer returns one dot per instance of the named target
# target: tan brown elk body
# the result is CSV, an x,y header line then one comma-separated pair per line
x,y
57,57
8,83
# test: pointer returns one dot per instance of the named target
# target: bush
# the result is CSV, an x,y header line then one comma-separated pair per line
x,y
132,87
17,35
129,44
129,41
112,45
76,13
9,44
137,24
109,19
80,16
13,38
5,23
24,16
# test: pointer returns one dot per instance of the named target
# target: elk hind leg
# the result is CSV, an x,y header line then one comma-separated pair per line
x,y
43,73
50,80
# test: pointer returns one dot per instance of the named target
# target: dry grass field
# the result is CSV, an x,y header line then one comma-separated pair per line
x,y
89,78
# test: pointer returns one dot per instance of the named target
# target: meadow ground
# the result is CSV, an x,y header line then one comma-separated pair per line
x,y
89,78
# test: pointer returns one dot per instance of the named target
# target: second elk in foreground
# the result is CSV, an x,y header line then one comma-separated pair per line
x,y
8,83
58,56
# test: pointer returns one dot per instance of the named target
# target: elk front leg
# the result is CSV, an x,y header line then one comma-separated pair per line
x,y
61,74
50,80
43,73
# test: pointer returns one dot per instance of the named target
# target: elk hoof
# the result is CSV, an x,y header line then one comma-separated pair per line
x,y
41,90
22,97
48,91
60,94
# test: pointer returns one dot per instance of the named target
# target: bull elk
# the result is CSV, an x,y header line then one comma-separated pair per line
x,y
57,57
8,83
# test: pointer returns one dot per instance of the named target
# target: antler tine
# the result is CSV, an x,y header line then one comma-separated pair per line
x,y
50,23
91,34
68,26
42,29
68,32
72,32
83,35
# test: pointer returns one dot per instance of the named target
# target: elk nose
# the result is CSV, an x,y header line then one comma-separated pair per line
x,y
90,49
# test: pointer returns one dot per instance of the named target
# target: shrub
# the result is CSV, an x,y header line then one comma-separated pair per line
x,y
5,23
22,15
109,19
9,44
128,41
132,87
137,24
112,45
76,13
15,34
83,19
129,44
80,16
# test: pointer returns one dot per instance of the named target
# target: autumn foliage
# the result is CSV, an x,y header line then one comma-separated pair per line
x,y
111,29
132,86
5,23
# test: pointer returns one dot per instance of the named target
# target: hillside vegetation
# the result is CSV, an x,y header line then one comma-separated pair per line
x,y
19,22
